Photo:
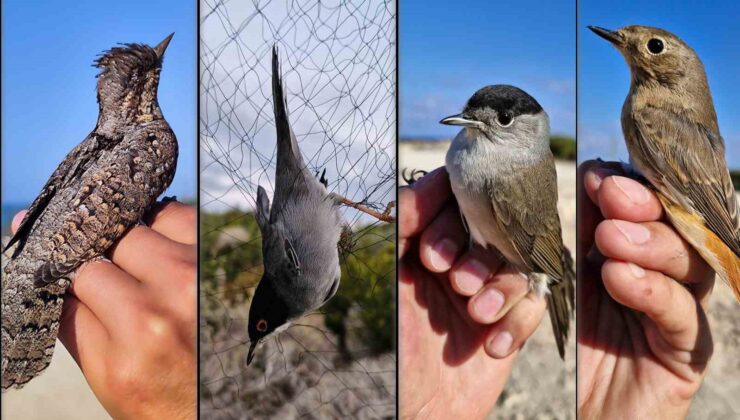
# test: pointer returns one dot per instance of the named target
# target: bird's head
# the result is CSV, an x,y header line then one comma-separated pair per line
x,y
655,55
270,309
129,78
504,114
268,312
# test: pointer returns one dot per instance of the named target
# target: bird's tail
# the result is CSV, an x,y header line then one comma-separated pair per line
x,y
561,302
288,155
712,249
30,322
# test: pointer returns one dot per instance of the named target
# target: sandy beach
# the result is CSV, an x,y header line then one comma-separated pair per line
x,y
61,393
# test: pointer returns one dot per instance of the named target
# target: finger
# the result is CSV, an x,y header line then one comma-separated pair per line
x,y
473,270
653,246
175,221
510,333
403,245
109,292
626,199
443,240
419,204
592,173
496,298
665,301
142,251
17,219
84,335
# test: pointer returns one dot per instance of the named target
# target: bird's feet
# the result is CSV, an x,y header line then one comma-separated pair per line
x,y
323,179
413,175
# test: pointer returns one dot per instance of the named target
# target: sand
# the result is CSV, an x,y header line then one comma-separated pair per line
x,y
60,393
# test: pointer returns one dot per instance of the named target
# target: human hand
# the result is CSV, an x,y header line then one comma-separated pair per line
x,y
463,315
643,337
130,323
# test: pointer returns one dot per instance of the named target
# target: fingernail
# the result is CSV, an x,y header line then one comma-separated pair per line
x,y
488,303
598,174
635,233
634,191
443,254
501,344
471,276
636,270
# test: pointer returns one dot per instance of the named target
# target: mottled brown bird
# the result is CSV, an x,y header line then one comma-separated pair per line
x,y
673,139
101,189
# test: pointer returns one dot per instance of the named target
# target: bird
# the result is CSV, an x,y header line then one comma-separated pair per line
x,y
502,175
673,139
300,233
103,187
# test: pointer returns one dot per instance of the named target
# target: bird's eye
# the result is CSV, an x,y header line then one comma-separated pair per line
x,y
504,119
261,325
655,46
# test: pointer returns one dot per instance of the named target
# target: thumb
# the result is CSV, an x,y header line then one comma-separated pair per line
x,y
17,219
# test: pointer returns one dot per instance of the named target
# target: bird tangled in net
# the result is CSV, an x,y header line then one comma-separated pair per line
x,y
338,64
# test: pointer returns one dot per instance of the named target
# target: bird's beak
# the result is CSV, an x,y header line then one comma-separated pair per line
x,y
159,49
460,120
250,355
612,36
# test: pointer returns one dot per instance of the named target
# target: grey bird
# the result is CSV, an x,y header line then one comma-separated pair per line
x,y
503,177
299,235
672,135
101,189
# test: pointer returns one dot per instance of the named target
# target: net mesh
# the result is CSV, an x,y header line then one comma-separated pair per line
x,y
338,65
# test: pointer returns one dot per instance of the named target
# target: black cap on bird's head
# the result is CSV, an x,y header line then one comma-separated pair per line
x,y
495,108
130,74
267,312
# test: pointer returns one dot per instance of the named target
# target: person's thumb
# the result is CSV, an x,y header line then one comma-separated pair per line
x,y
17,219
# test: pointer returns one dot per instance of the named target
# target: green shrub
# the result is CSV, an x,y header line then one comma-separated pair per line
x,y
735,175
563,147
368,281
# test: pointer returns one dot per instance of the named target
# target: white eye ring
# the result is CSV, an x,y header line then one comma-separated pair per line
x,y
662,41
511,120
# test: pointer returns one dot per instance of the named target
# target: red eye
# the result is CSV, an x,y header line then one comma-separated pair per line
x,y
261,325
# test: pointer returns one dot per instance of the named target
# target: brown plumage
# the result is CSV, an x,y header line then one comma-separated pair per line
x,y
673,138
101,189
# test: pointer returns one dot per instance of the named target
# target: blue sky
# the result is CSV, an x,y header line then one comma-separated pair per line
x,y
710,28
448,50
49,84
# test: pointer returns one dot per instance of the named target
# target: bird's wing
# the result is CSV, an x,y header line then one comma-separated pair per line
x,y
525,204
107,201
526,207
686,163
74,164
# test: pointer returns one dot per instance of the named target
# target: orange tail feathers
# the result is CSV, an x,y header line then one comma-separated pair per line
x,y
711,248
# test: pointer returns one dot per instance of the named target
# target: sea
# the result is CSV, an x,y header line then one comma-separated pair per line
x,y
7,211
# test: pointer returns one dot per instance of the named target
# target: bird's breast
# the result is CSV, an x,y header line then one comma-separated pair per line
x,y
471,166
